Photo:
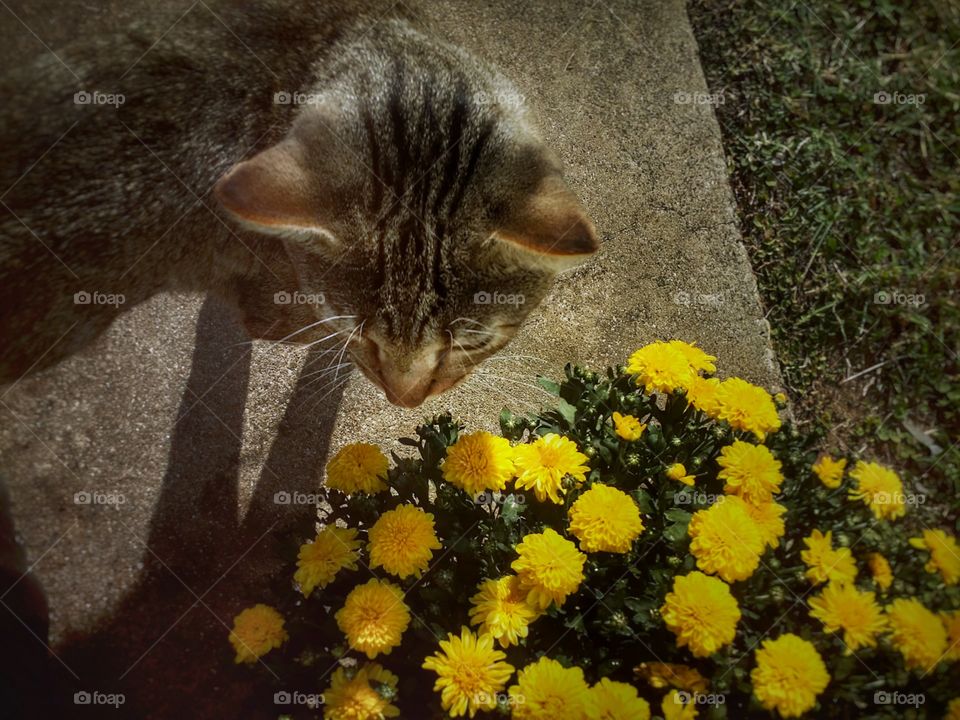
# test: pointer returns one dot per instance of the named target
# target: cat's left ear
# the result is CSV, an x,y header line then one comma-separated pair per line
x,y
550,226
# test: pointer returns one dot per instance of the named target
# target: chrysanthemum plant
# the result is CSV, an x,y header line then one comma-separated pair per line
x,y
658,543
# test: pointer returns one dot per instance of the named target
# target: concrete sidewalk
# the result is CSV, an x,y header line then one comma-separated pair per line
x,y
197,431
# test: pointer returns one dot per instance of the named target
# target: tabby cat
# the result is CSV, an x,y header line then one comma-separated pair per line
x,y
335,152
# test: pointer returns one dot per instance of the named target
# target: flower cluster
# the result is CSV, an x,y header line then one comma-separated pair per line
x,y
659,542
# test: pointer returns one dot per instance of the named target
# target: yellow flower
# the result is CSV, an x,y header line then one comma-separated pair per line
x,y
725,540
319,562
542,465
546,690
678,706
549,566
374,617
661,367
917,633
678,472
951,623
701,612
830,471
944,554
605,519
750,471
356,698
842,607
358,467
702,394
256,631
471,673
789,675
768,517
501,610
747,407
628,427
478,462
880,571
611,700
402,541
880,489
699,360
953,710
670,675
824,563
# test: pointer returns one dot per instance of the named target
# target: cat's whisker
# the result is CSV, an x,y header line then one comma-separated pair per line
x,y
529,385
313,325
328,337
336,385
345,346
318,374
511,398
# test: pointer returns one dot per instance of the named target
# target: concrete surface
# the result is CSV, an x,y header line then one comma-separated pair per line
x,y
197,430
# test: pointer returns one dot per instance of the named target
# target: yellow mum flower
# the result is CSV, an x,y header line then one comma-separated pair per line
x,y
549,566
830,471
546,690
319,562
670,675
677,705
470,671
611,700
356,698
824,563
951,623
374,617
661,367
702,612
478,462
678,472
702,394
402,541
768,517
605,519
501,610
747,407
725,540
953,710
628,427
842,607
750,471
358,467
917,633
880,489
944,554
880,571
542,465
699,360
789,675
256,631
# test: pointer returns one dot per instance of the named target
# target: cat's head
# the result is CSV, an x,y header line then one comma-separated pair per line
x,y
413,193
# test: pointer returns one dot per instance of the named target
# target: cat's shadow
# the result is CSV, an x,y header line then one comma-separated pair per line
x,y
165,647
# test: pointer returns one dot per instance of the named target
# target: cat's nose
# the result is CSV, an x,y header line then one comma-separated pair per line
x,y
409,383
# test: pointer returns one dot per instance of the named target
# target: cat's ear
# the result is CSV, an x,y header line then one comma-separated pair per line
x,y
272,191
550,226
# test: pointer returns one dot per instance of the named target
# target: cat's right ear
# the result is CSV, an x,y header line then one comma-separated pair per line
x,y
273,192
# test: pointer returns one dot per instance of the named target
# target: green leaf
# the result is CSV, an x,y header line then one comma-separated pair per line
x,y
549,385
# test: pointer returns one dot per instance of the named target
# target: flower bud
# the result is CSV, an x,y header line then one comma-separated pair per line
x,y
676,441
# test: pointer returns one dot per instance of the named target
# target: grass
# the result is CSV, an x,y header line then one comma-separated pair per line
x,y
850,209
